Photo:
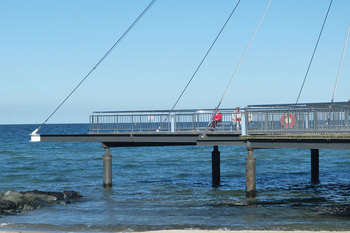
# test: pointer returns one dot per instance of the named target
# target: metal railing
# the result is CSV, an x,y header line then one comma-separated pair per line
x,y
317,118
162,121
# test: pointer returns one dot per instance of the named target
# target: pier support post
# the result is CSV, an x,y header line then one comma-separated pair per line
x,y
315,173
107,168
215,165
250,174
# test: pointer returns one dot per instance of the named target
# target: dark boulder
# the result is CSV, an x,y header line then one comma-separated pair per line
x,y
51,196
7,205
71,195
14,202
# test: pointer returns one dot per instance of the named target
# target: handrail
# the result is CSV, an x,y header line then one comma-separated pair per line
x,y
160,111
312,118
301,105
161,121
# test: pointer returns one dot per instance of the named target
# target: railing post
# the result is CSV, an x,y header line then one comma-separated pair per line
x,y
172,122
132,123
244,123
169,124
98,124
117,123
315,121
194,121
140,127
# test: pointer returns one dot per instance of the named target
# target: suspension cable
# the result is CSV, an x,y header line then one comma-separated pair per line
x,y
245,52
203,59
341,62
313,54
99,62
205,56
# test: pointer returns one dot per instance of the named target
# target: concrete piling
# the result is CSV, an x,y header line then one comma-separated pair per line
x,y
107,168
315,173
215,162
250,174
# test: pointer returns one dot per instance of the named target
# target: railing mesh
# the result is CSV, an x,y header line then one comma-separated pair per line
x,y
323,118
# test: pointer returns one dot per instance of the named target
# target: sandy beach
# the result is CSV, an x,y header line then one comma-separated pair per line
x,y
223,231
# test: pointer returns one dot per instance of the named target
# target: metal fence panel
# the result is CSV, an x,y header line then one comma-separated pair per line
x,y
322,118
161,121
325,119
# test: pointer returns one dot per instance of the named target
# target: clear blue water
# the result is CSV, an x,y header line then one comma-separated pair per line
x,y
170,187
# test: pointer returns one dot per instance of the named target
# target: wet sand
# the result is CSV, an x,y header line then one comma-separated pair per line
x,y
230,231
189,230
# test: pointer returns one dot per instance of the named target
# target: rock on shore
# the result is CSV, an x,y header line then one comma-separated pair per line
x,y
13,202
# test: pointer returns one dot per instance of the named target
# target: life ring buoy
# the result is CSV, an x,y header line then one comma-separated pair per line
x,y
288,120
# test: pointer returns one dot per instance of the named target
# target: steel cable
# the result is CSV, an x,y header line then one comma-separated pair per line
x,y
341,62
206,54
313,54
202,61
245,52
99,62
240,62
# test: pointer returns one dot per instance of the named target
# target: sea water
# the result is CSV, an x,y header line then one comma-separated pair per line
x,y
170,187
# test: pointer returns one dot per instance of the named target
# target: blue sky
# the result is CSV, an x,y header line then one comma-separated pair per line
x,y
47,47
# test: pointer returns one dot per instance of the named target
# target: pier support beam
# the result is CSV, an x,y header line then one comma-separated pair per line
x,y
315,176
250,174
107,168
215,166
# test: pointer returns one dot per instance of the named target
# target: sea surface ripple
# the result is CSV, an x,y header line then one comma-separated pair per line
x,y
158,188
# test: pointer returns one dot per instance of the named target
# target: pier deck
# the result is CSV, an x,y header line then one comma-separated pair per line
x,y
317,125
149,138
209,139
